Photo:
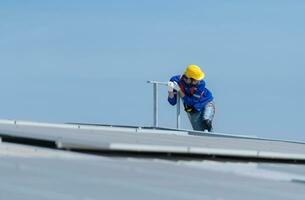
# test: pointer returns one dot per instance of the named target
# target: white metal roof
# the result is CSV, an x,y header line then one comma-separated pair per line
x,y
29,172
34,173
137,139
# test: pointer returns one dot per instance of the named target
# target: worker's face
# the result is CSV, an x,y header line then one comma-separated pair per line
x,y
190,81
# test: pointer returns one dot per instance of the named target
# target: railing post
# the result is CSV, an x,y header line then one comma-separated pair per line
x,y
156,104
156,123
178,112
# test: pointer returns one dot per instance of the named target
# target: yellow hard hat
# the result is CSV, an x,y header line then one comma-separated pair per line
x,y
194,72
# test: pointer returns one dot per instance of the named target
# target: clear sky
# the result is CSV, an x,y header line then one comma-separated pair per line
x,y
88,61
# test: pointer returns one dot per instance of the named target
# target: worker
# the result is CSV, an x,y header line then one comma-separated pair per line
x,y
197,99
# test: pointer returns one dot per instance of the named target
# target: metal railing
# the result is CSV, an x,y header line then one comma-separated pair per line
x,y
156,104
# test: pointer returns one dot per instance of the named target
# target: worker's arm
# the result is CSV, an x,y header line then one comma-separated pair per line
x,y
172,96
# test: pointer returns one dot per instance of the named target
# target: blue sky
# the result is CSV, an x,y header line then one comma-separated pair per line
x,y
88,61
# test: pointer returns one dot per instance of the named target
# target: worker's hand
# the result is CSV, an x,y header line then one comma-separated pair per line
x,y
172,85
176,86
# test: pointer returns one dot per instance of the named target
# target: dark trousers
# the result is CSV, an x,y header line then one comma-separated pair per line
x,y
202,120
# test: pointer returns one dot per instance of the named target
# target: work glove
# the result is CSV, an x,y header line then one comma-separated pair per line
x,y
172,85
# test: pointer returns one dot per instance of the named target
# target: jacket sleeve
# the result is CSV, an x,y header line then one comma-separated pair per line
x,y
173,100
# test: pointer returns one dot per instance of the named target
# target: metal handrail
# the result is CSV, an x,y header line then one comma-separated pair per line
x,y
156,104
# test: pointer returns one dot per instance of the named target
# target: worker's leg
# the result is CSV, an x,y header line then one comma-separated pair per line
x,y
196,120
208,115
202,120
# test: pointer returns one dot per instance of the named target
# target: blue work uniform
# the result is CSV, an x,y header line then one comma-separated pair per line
x,y
198,103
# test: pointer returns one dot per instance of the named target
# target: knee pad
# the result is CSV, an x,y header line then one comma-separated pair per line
x,y
209,111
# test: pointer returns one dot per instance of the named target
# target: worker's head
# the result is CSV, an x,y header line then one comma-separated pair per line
x,y
193,74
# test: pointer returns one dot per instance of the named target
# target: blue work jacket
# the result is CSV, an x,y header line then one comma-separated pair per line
x,y
196,96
